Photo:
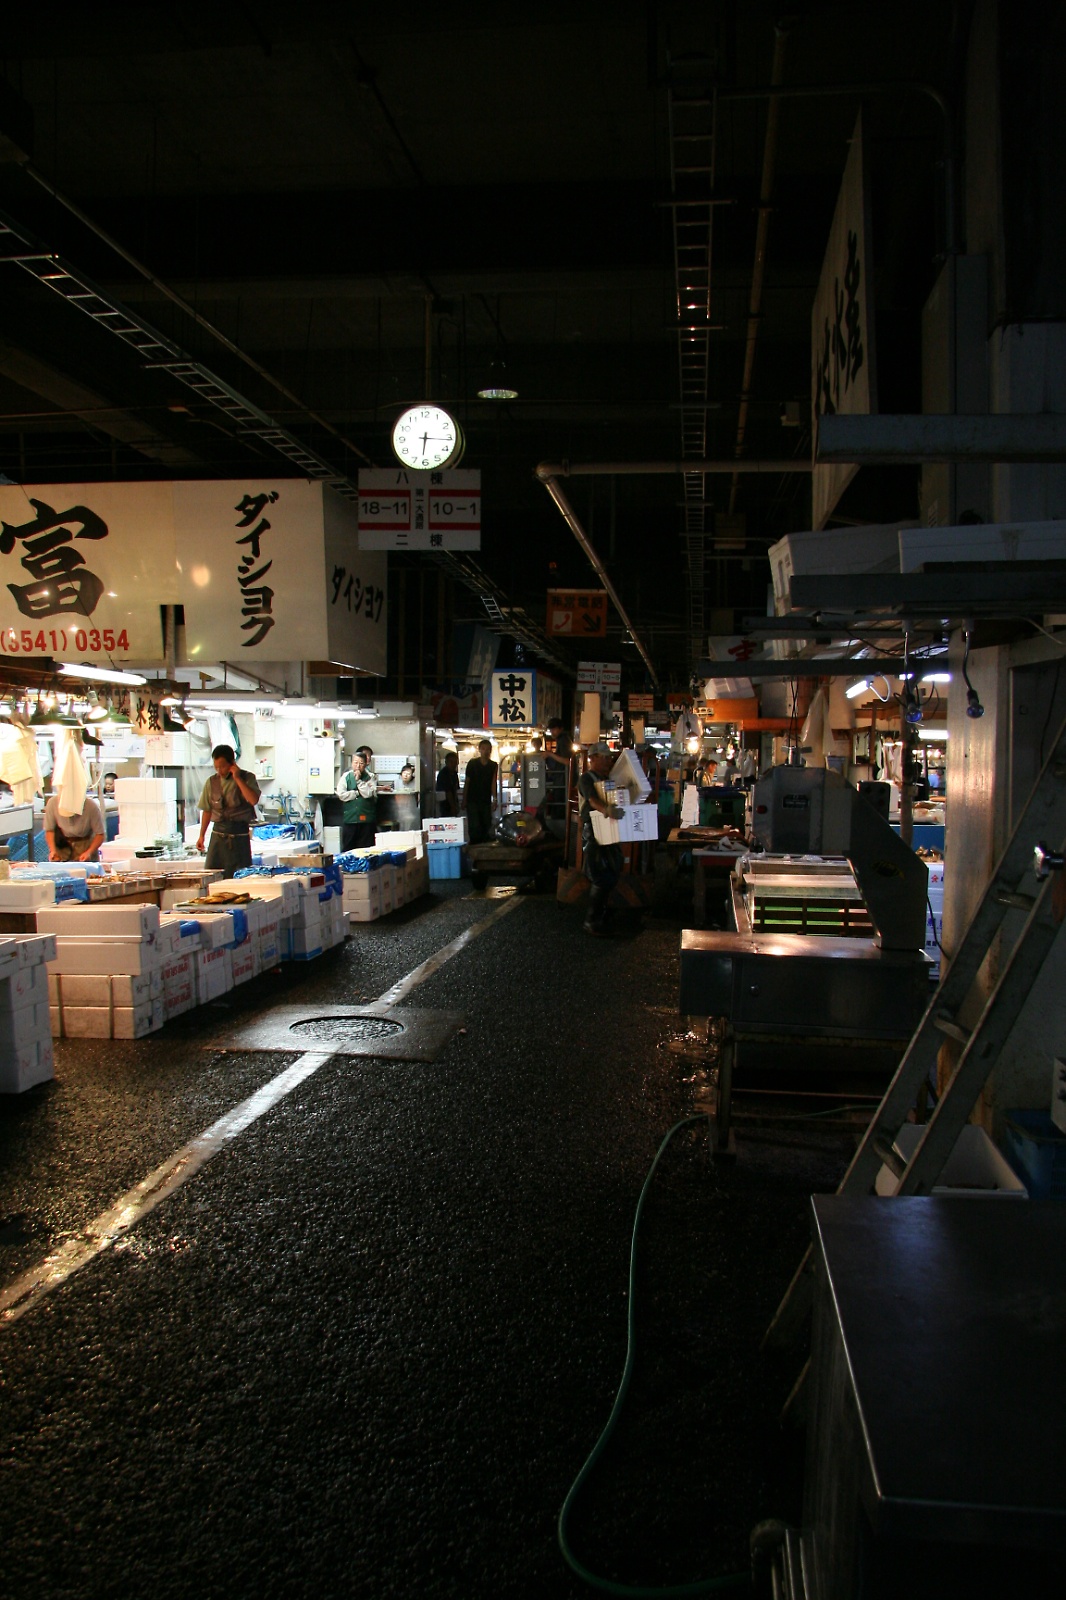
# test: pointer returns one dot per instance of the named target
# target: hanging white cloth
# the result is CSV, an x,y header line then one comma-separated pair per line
x,y
70,778
18,762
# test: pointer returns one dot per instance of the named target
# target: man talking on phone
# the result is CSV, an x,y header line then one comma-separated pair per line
x,y
228,803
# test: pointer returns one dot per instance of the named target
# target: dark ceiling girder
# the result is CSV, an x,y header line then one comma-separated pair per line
x,y
805,667
31,373
938,594
907,440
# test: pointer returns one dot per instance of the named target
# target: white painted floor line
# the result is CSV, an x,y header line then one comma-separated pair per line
x,y
19,1296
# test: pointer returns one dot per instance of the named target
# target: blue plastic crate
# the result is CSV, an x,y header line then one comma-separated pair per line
x,y
1038,1150
445,860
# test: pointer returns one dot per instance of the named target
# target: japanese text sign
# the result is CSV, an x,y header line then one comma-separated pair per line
x,y
84,568
273,571
513,698
268,571
577,613
842,340
402,510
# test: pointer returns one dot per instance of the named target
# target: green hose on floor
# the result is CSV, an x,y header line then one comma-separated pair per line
x,y
733,1580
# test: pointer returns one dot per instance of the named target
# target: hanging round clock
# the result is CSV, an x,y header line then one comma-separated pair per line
x,y
427,438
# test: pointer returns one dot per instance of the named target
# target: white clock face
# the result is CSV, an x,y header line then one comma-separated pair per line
x,y
426,438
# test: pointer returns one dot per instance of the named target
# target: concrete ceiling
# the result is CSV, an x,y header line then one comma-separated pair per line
x,y
306,176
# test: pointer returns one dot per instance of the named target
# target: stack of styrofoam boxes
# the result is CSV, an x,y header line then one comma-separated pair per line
x,y
412,844
212,965
447,830
333,917
147,808
180,944
934,916
274,902
361,896
25,1026
101,953
243,945
306,939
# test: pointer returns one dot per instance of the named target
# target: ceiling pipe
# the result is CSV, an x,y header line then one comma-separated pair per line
x,y
762,234
547,476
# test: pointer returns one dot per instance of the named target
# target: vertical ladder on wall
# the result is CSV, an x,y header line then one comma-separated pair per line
x,y
1022,882
691,108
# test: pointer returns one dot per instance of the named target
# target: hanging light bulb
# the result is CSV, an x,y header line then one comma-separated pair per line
x,y
496,386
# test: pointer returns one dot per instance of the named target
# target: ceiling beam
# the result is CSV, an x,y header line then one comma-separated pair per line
x,y
93,409
906,440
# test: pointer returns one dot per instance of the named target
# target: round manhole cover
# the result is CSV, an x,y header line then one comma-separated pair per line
x,y
347,1029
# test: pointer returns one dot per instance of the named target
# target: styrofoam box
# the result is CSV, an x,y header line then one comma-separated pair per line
x,y
447,830
25,986
104,954
87,1022
176,969
23,1025
127,922
35,947
636,823
974,1169
305,945
21,1069
403,839
245,961
26,896
216,927
133,1022
360,885
55,1016
363,911
181,999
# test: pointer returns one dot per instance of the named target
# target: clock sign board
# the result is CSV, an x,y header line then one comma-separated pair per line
x,y
577,613
404,510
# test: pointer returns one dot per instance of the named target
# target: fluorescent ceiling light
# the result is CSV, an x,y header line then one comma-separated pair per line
x,y
232,702
100,674
937,677
858,688
933,735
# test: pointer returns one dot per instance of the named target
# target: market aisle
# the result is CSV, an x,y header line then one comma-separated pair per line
x,y
364,1350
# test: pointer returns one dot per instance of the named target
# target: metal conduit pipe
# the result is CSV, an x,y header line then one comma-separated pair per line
x,y
547,477
762,233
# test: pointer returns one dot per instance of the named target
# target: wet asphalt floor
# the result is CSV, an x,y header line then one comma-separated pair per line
x,y
367,1347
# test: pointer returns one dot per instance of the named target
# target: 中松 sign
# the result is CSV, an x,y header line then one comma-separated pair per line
x,y
842,335
513,698
265,570
402,510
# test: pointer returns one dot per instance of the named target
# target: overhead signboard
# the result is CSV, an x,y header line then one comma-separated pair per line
x,y
266,570
599,677
842,333
577,613
641,702
84,568
403,510
513,698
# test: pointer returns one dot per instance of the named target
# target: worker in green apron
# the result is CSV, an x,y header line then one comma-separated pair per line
x,y
228,802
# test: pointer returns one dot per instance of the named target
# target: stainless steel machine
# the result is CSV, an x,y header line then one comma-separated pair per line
x,y
935,1465
842,957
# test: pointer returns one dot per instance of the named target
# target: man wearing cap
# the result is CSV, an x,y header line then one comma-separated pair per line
x,y
603,862
228,802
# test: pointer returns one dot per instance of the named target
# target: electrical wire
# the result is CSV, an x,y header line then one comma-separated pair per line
x,y
733,1580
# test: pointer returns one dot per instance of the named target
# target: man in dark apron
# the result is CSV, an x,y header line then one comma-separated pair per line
x,y
73,838
228,802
